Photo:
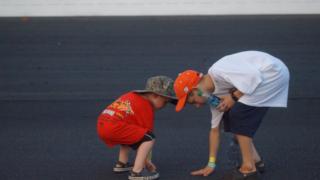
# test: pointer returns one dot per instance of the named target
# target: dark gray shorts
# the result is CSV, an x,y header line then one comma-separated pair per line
x,y
149,136
243,119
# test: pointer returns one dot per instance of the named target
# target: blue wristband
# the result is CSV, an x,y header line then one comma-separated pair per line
x,y
211,164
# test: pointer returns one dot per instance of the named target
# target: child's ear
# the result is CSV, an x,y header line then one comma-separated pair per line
x,y
154,95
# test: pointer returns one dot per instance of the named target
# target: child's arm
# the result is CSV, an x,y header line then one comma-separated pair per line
x,y
229,100
213,149
214,141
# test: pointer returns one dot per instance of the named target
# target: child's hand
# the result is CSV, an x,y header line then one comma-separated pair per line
x,y
226,103
203,172
150,166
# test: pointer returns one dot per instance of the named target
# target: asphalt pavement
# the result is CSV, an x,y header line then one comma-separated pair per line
x,y
58,74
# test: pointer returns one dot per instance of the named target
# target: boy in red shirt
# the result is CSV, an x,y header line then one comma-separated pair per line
x,y
128,122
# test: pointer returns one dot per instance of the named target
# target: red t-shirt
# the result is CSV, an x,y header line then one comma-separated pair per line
x,y
126,120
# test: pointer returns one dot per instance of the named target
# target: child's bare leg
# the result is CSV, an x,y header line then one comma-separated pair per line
x,y
141,156
245,144
124,153
256,156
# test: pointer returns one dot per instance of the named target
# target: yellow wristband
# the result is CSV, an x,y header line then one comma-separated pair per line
x,y
212,159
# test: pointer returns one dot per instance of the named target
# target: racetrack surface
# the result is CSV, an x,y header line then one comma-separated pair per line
x,y
58,74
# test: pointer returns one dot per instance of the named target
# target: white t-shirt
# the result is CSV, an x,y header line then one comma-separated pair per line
x,y
262,78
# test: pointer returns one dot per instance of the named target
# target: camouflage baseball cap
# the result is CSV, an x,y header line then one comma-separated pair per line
x,y
161,85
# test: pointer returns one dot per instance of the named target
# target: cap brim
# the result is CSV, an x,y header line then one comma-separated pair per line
x,y
181,103
173,99
141,91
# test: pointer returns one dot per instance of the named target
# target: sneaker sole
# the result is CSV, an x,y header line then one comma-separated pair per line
x,y
156,176
121,170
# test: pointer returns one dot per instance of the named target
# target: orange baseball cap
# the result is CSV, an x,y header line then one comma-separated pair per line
x,y
184,83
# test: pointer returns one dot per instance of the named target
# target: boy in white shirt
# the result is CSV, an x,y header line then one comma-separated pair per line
x,y
247,84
